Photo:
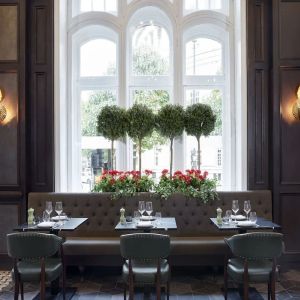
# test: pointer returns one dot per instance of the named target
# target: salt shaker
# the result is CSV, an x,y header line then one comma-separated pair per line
x,y
122,216
30,219
219,216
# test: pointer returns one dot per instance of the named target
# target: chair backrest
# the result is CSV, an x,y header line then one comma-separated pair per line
x,y
145,246
256,245
32,244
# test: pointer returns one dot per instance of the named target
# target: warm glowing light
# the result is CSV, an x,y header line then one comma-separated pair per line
x,y
296,106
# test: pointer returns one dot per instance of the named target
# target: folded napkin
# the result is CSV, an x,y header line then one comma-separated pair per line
x,y
45,224
238,217
144,224
246,223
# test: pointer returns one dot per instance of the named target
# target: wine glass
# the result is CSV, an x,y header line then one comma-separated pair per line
x,y
49,207
235,208
141,207
58,208
247,208
149,208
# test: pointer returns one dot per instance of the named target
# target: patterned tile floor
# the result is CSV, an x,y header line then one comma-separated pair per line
x,y
186,284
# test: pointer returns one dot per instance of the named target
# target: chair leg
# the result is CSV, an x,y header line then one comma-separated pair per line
x,y
124,291
64,285
269,289
168,289
131,290
225,282
22,290
17,286
273,287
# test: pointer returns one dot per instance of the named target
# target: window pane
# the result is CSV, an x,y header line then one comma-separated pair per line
x,y
109,6
91,63
203,57
193,5
155,148
95,150
150,50
211,146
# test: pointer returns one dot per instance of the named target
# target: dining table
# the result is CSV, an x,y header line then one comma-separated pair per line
x,y
242,226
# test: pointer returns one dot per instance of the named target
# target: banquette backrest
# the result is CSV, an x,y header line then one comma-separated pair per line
x,y
191,215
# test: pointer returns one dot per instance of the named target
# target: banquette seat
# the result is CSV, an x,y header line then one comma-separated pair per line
x,y
196,241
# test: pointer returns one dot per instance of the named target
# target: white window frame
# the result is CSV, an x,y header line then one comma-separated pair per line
x,y
179,24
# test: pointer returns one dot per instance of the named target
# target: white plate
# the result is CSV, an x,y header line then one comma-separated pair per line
x,y
144,224
246,224
45,224
238,217
147,218
61,218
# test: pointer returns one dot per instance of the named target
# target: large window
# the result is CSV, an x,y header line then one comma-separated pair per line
x,y
125,52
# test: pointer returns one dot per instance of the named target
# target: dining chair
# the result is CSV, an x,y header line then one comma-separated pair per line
x,y
35,259
254,260
146,261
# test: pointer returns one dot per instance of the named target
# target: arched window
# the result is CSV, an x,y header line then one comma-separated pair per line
x,y
150,80
153,52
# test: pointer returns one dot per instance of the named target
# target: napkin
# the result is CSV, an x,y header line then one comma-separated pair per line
x,y
45,224
246,223
144,224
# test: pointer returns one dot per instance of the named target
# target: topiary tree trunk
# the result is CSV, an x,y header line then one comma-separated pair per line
x,y
140,155
112,154
199,153
171,156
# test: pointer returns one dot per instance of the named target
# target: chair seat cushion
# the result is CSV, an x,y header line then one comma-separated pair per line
x,y
258,270
145,271
31,270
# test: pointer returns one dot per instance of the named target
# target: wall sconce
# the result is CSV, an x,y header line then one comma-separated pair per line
x,y
296,106
3,112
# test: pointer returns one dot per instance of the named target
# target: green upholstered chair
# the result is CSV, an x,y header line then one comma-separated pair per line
x,y
35,259
254,260
146,261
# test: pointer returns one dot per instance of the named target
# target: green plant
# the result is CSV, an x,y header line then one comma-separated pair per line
x,y
199,120
170,123
112,124
122,184
141,122
192,184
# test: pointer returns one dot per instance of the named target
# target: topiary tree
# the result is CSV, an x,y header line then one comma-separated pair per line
x,y
199,120
112,124
141,122
170,124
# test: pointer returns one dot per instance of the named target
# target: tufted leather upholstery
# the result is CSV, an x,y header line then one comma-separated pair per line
x,y
194,227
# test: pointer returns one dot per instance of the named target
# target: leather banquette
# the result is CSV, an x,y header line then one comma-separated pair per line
x,y
196,241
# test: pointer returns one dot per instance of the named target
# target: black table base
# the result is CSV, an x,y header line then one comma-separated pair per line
x,y
70,292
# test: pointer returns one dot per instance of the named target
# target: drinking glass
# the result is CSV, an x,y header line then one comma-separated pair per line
x,y
141,207
158,218
49,207
136,216
247,208
46,216
227,217
253,217
235,207
149,208
58,208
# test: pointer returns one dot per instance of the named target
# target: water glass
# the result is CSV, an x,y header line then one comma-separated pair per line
x,y
46,216
141,207
136,216
253,217
227,217
247,208
158,218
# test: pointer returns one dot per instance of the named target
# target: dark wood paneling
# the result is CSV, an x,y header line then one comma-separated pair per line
x,y
258,27
41,110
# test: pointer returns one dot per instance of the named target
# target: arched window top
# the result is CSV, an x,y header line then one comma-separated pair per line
x,y
150,42
83,6
203,56
190,6
91,64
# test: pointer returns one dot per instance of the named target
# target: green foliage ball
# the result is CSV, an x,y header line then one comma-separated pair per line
x,y
170,121
199,120
112,122
141,121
